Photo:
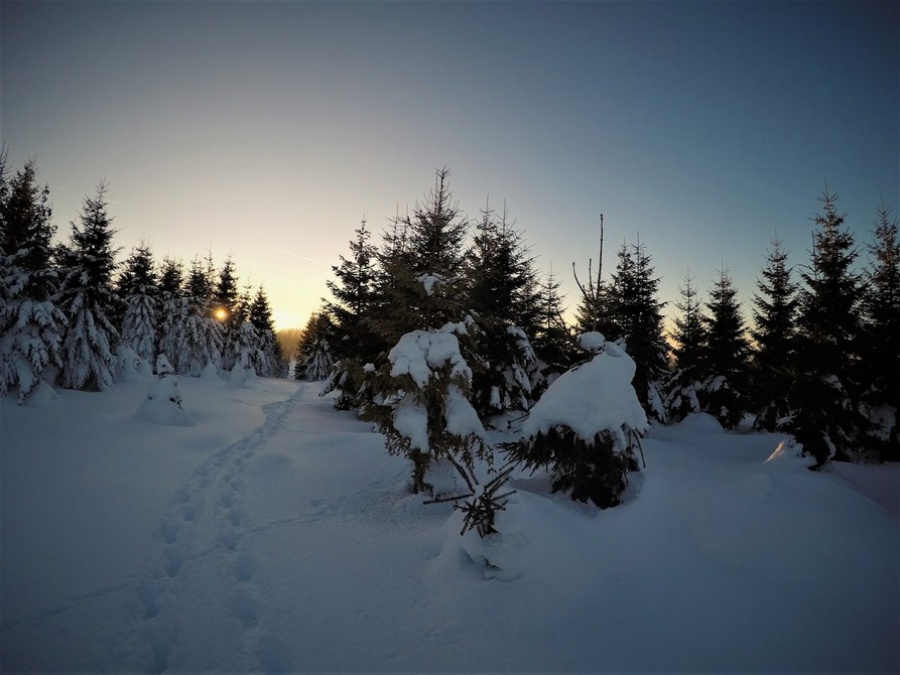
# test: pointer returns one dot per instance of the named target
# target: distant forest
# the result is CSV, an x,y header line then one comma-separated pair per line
x,y
819,360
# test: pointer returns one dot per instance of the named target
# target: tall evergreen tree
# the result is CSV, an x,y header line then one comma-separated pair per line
x,y
268,363
88,299
881,348
500,280
688,353
171,334
357,298
826,392
774,315
726,352
138,288
634,314
31,324
421,268
224,300
203,333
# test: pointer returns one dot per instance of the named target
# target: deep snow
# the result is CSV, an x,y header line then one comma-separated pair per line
x,y
276,534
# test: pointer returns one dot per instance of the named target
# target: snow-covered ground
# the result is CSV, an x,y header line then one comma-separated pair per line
x,y
275,534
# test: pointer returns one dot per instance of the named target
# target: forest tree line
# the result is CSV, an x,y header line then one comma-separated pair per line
x,y
72,315
821,359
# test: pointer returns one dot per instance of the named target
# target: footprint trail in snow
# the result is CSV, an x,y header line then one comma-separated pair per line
x,y
198,597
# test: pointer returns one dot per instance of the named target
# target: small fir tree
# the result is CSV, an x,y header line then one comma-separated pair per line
x,y
585,428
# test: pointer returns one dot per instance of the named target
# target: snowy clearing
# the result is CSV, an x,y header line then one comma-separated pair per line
x,y
276,534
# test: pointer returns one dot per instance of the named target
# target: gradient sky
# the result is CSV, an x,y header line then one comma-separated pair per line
x,y
268,129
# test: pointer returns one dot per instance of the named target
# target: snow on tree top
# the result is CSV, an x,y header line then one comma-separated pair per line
x,y
419,351
429,281
592,342
595,397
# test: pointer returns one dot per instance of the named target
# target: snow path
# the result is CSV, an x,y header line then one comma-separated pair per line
x,y
198,556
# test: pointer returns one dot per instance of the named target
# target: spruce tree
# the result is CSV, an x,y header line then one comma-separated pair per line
x,y
172,340
688,352
501,297
634,314
269,362
826,392
881,347
726,352
88,299
31,324
313,360
353,342
202,332
553,343
224,300
138,288
422,281
772,360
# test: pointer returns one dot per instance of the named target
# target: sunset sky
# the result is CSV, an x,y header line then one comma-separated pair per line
x,y
267,130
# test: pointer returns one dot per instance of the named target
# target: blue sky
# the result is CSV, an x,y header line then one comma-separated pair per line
x,y
267,130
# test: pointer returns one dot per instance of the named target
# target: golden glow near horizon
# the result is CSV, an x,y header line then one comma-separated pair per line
x,y
221,313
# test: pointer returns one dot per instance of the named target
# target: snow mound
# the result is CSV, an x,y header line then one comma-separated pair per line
x,y
703,423
162,404
238,377
593,398
42,394
210,373
130,367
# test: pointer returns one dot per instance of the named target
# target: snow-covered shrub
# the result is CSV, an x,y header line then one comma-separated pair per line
x,y
420,403
586,426
163,401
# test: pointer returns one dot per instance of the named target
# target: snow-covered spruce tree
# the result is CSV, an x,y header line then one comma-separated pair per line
x,y
313,361
826,394
173,313
353,343
586,426
724,393
634,313
772,360
881,346
31,325
203,335
501,283
688,354
138,286
224,302
163,403
420,403
88,299
269,362
553,342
